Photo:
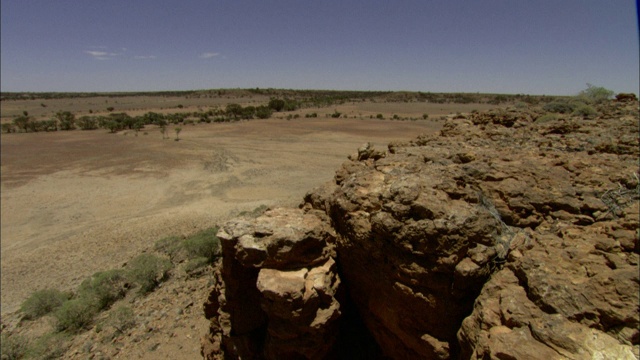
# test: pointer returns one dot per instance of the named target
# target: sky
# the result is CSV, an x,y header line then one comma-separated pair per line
x,y
552,47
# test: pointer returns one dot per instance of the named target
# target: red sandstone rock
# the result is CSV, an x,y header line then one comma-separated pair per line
x,y
500,238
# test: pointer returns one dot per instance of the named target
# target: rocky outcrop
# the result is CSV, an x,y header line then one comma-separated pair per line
x,y
502,237
276,294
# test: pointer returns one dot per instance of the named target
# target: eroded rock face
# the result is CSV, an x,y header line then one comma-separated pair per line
x,y
277,289
502,237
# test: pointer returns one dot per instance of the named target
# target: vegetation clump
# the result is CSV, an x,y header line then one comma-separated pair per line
x,y
43,302
148,271
104,288
13,347
75,314
596,94
559,107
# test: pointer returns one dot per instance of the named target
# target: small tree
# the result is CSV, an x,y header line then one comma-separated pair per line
x,y
276,104
88,123
234,111
22,122
66,120
177,130
163,130
8,128
263,112
596,94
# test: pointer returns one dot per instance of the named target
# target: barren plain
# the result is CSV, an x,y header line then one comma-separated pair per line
x,y
77,202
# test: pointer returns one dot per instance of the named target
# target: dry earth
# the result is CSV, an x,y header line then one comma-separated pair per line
x,y
78,202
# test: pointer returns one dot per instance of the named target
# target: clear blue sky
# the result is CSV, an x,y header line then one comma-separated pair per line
x,y
549,47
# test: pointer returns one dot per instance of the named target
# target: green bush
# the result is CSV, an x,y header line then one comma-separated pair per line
x,y
263,112
276,104
204,244
596,94
13,347
43,302
66,120
104,288
379,116
546,118
75,314
148,271
195,264
558,107
336,114
585,111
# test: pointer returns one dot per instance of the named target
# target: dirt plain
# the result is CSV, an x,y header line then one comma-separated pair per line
x,y
77,202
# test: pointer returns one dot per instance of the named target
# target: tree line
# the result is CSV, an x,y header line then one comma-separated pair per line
x,y
114,122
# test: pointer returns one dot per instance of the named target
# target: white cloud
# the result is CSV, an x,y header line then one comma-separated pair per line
x,y
97,53
208,55
100,55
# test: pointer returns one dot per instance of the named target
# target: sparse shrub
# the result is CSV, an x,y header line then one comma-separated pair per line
x,y
558,107
177,130
195,264
121,318
43,302
48,125
585,111
263,112
110,108
311,115
379,116
22,122
13,347
66,120
148,271
88,123
75,314
521,105
596,94
396,117
336,114
276,104
203,244
546,118
8,128
104,287
170,245
290,105
48,347
425,116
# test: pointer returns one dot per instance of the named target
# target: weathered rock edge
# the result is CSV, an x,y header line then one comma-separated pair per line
x,y
503,237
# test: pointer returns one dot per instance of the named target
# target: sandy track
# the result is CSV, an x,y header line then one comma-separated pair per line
x,y
78,202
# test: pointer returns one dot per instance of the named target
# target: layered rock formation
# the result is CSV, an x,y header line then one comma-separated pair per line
x,y
277,290
503,237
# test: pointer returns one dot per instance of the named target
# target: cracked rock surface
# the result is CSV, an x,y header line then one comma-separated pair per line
x,y
504,237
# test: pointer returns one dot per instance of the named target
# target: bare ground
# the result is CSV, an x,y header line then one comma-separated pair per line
x,y
78,202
